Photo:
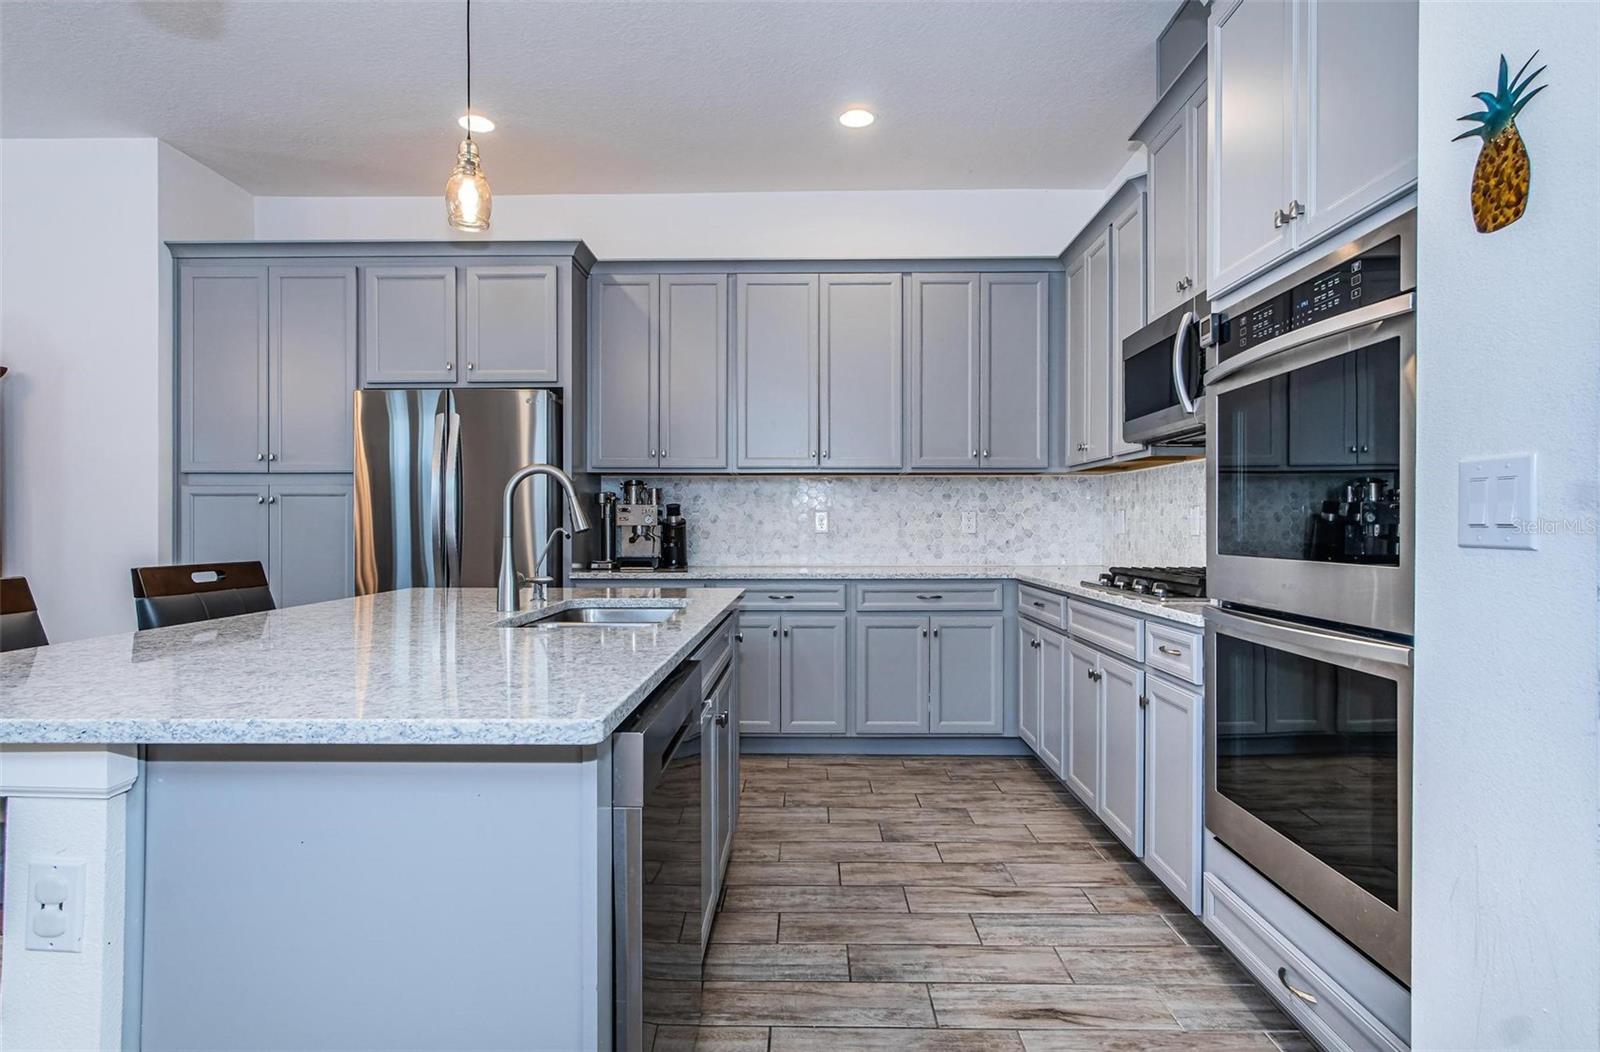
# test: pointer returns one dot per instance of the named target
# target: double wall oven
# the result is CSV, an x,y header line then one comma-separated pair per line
x,y
1310,473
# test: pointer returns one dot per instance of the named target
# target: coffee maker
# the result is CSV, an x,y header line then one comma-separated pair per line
x,y
638,526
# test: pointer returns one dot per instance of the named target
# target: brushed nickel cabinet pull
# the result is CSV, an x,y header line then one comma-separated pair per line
x,y
1304,995
1171,651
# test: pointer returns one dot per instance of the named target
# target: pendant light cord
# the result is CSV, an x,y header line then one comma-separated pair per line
x,y
469,70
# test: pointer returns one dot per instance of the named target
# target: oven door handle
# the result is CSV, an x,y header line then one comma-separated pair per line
x,y
1180,347
1310,642
1393,307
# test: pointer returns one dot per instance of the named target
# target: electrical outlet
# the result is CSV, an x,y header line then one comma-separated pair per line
x,y
1121,520
55,905
969,522
822,522
1197,521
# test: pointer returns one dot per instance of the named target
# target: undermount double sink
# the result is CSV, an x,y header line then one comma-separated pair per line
x,y
602,615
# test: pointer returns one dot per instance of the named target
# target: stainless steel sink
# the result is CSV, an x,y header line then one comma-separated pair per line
x,y
606,615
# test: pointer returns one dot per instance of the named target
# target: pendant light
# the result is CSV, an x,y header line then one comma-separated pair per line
x,y
467,197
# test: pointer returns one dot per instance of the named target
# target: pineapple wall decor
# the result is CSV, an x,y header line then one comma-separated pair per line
x,y
1500,178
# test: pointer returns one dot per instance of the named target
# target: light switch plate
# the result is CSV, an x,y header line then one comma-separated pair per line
x,y
55,905
969,522
1497,503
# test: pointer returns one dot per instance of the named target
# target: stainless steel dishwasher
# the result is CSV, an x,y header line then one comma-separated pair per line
x,y
658,873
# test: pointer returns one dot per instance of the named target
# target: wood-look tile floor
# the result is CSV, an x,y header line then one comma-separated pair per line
x,y
954,904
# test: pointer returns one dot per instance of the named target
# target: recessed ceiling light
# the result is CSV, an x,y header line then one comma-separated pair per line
x,y
856,118
475,122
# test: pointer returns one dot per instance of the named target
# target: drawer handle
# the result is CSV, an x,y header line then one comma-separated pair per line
x,y
1170,651
780,597
722,719
1304,995
930,597
1036,602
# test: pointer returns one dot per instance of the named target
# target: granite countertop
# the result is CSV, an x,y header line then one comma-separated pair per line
x,y
422,666
1068,580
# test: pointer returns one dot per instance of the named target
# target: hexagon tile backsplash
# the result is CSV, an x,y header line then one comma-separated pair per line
x,y
1137,517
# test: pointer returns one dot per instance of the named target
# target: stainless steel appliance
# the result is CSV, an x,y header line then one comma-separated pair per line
x,y
1312,437
1162,379
658,801
1308,770
674,539
1161,583
431,468
638,526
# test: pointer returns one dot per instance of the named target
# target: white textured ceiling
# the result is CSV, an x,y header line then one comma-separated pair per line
x,y
361,96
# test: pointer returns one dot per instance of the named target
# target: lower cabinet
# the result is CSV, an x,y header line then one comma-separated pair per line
x,y
1122,750
793,676
759,650
1028,683
301,530
722,771
1082,773
940,674
1042,693
1173,743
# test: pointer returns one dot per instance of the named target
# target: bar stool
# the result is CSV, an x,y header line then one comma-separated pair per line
x,y
181,595
20,626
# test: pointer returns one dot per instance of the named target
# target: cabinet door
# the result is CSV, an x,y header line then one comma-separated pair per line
x,y
623,367
1172,816
694,371
225,523
1053,698
1127,308
1171,214
1122,750
1028,684
222,355
891,679
410,331
861,381
1083,724
1357,122
1322,414
1078,422
945,373
725,794
313,368
313,541
1016,371
1378,382
814,681
760,667
1094,400
513,325
777,371
968,674
1199,172
1251,92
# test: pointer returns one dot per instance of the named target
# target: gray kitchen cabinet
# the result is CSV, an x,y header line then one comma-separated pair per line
x,y
760,690
1015,354
312,373
1053,700
967,674
312,525
1127,306
777,377
409,331
1028,683
1089,388
1174,731
226,522
1082,771
223,368
1322,414
946,374
861,352
1252,97
693,371
813,674
726,702
623,372
892,673
1122,749
1176,208
512,325
1078,378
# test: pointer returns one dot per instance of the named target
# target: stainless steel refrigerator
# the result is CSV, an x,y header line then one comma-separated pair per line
x,y
431,469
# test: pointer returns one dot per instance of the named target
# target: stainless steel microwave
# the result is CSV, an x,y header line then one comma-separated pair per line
x,y
1162,365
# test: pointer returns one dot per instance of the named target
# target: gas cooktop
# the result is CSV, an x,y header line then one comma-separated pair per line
x,y
1163,583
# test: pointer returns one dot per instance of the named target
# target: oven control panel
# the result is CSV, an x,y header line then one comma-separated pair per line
x,y
1372,276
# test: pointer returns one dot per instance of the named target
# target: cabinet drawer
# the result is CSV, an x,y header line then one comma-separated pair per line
x,y
1322,1007
1106,629
1175,651
715,653
1040,605
930,595
792,595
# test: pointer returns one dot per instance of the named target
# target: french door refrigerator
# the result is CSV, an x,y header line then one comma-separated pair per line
x,y
431,468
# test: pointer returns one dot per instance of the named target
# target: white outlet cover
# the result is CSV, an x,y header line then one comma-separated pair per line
x,y
1497,503
55,905
969,522
822,522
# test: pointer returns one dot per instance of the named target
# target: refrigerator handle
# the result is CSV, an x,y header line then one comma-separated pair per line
x,y
452,500
436,506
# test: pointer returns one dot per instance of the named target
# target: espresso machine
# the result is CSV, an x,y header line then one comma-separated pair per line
x,y
1361,525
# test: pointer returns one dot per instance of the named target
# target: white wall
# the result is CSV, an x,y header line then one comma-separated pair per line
x,y
819,225
87,449
1506,859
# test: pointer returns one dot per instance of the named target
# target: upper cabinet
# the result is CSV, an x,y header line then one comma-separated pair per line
x,y
512,325
311,339
946,374
1015,388
693,418
1090,353
1176,264
861,353
1127,306
777,370
409,331
1313,124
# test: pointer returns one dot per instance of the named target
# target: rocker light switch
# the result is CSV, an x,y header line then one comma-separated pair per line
x,y
55,905
1498,503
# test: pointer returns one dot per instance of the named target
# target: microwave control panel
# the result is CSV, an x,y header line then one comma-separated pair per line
x,y
1372,276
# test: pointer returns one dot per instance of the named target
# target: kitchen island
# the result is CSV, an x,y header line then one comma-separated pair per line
x,y
375,822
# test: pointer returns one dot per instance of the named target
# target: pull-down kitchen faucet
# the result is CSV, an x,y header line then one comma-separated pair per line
x,y
506,589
